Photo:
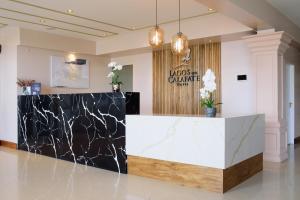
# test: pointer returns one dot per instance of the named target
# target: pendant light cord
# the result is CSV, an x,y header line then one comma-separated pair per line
x,y
179,16
156,13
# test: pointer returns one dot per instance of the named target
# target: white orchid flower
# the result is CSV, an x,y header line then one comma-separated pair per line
x,y
209,81
112,64
207,99
210,86
118,67
209,76
204,93
110,75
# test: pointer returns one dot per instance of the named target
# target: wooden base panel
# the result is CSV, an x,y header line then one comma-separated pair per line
x,y
211,179
242,171
8,144
183,174
297,140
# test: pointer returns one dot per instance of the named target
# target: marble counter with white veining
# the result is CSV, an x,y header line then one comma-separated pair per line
x,y
211,142
87,129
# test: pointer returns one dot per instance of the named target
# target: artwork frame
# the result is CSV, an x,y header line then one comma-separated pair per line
x,y
69,74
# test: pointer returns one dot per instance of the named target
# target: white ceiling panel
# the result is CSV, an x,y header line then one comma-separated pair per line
x,y
289,8
48,23
125,13
94,19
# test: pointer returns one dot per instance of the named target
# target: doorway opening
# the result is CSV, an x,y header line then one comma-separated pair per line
x,y
126,75
290,72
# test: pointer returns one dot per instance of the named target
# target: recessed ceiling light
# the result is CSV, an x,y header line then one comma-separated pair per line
x,y
210,9
42,21
70,11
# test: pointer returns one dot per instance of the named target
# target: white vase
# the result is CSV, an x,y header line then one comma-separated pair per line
x,y
211,112
116,87
26,90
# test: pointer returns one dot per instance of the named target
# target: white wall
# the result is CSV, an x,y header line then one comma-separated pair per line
x,y
142,77
9,39
238,97
34,64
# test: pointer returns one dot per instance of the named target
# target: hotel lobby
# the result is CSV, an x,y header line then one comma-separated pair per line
x,y
152,99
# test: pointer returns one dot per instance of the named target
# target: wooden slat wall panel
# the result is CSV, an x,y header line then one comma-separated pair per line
x,y
172,99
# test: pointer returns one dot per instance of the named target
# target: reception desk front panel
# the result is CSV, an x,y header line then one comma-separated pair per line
x,y
211,142
84,128
211,153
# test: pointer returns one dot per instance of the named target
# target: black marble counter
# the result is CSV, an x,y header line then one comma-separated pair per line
x,y
84,128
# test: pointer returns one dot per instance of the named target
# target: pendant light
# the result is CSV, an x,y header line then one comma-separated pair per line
x,y
156,35
179,43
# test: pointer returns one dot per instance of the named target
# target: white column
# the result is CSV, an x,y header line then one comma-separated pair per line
x,y
267,51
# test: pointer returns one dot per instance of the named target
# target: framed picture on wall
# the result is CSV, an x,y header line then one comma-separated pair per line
x,y
73,74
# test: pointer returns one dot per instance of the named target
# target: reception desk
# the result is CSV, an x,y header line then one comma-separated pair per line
x,y
211,153
87,129
105,130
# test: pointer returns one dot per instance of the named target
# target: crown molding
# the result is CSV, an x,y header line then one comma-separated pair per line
x,y
269,41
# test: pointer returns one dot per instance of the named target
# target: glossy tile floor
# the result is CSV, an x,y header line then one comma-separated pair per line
x,y
25,176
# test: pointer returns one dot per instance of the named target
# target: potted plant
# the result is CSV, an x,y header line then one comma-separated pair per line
x,y
206,93
114,75
25,85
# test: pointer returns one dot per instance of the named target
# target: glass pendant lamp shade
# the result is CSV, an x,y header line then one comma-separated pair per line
x,y
156,34
179,44
156,37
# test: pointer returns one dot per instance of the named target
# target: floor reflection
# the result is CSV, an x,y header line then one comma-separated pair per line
x,y
26,176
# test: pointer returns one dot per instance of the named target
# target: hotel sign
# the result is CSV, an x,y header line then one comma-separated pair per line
x,y
181,76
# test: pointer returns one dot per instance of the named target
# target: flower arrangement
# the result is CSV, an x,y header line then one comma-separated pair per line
x,y
114,75
206,93
25,83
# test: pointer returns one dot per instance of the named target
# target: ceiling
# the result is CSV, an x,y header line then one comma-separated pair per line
x,y
289,8
2,25
94,19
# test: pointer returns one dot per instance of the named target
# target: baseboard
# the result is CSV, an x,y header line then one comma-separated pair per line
x,y
275,157
7,144
297,140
